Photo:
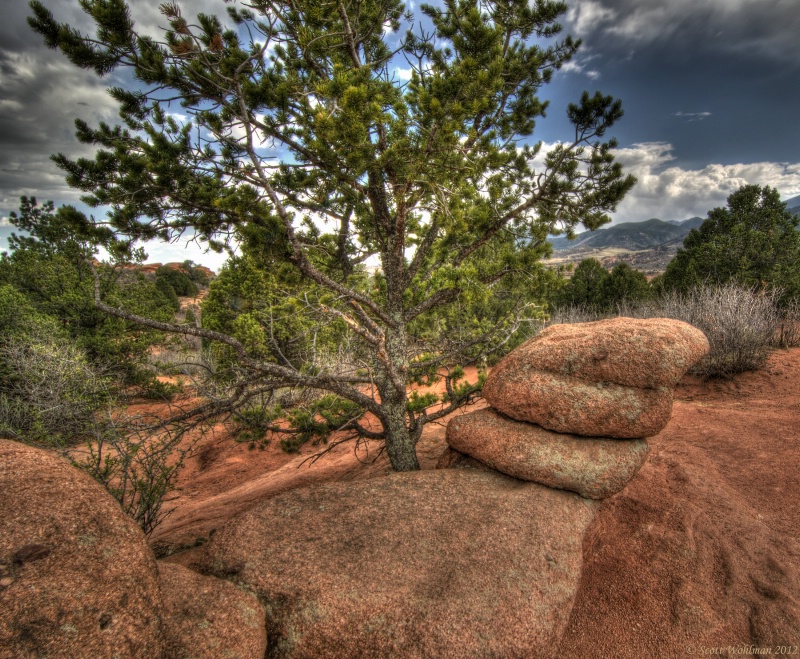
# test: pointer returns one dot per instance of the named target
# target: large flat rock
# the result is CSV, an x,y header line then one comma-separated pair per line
x,y
646,353
448,563
594,468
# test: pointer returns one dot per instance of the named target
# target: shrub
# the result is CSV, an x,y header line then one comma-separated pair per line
x,y
137,468
753,241
179,280
50,391
592,287
740,324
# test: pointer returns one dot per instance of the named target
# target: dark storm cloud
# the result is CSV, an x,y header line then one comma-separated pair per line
x,y
710,95
710,90
41,95
755,28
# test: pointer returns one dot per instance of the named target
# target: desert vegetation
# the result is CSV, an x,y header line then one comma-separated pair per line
x,y
397,239
386,236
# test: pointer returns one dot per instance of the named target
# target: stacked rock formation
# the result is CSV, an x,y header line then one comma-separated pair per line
x,y
571,407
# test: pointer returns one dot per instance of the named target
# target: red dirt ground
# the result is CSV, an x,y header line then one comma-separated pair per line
x,y
700,554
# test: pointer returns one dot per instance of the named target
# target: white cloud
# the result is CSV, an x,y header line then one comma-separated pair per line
x,y
588,16
403,74
670,192
5,222
693,116
578,65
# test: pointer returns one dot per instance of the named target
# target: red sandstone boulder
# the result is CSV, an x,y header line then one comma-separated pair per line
x,y
650,353
594,468
448,563
208,618
569,405
78,579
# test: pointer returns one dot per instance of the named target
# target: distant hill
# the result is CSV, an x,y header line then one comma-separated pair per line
x,y
793,205
630,235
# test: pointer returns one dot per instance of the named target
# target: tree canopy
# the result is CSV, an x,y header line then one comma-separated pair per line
x,y
753,241
288,128
594,288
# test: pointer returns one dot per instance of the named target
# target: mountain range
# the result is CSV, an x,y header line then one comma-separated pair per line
x,y
630,235
640,235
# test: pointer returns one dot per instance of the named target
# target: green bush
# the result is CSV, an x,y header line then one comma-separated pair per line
x,y
592,287
754,242
138,468
178,280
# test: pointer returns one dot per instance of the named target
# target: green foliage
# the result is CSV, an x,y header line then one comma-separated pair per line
x,y
433,179
624,285
254,422
178,280
585,287
49,269
49,391
168,292
317,420
138,470
754,241
197,274
267,308
592,287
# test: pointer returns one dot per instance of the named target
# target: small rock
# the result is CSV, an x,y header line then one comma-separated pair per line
x,y
5,582
206,617
594,468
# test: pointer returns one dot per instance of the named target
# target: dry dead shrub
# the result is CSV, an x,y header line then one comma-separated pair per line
x,y
740,324
788,335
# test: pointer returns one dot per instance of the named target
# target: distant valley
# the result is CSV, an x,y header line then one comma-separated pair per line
x,y
647,246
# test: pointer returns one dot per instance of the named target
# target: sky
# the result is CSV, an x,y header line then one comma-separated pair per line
x,y
710,89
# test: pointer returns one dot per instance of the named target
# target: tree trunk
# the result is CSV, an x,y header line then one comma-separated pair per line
x,y
400,444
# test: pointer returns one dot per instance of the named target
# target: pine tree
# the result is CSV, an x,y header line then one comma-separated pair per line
x,y
302,141
753,241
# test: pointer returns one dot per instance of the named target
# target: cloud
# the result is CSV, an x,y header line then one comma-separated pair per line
x,y
43,94
765,27
578,65
670,192
693,116
403,74
5,222
587,16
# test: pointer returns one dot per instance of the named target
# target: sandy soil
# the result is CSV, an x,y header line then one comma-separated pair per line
x,y
701,551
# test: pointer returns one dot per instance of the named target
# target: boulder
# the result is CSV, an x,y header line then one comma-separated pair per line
x,y
650,353
447,563
79,579
569,405
207,618
594,468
